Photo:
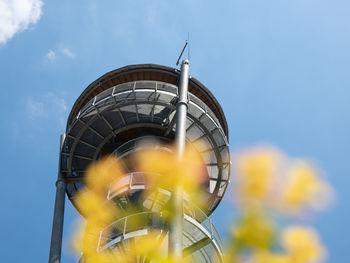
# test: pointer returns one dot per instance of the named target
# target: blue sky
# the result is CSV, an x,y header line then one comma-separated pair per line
x,y
279,68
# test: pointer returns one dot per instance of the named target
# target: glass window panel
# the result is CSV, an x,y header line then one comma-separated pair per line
x,y
208,157
213,171
202,144
212,186
91,112
162,113
70,189
103,95
101,127
68,144
193,231
86,106
194,132
167,98
225,155
91,137
105,106
195,100
166,87
129,113
84,150
218,137
64,162
222,188
123,87
158,109
120,97
225,172
145,111
144,95
194,111
80,164
145,85
114,118
207,123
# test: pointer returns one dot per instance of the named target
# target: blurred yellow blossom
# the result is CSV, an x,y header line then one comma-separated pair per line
x,y
162,169
271,185
266,181
95,207
268,257
254,230
303,244
99,175
149,246
165,170
256,171
266,176
304,188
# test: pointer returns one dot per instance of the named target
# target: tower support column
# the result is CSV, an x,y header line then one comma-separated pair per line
x,y
58,218
176,224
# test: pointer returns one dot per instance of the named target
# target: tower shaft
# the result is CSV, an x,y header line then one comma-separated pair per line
x,y
58,218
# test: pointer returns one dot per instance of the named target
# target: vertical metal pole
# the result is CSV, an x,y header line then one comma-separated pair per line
x,y
57,225
176,224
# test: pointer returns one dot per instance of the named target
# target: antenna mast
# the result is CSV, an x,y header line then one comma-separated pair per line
x,y
178,60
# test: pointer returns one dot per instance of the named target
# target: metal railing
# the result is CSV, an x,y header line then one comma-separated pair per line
x,y
143,223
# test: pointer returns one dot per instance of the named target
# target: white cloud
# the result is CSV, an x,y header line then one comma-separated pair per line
x,y
46,107
35,109
17,15
50,55
53,54
67,52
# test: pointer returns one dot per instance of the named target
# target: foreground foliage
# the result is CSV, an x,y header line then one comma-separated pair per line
x,y
270,189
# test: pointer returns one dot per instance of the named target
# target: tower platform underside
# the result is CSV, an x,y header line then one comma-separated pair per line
x,y
137,109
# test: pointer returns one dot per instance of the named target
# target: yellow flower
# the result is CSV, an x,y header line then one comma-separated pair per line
x,y
100,174
165,170
304,188
268,257
254,230
303,245
95,207
256,173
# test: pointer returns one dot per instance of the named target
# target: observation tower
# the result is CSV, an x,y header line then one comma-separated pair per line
x,y
111,117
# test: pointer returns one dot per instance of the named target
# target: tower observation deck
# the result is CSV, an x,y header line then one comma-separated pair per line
x,y
111,117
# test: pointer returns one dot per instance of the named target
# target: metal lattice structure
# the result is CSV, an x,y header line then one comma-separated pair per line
x,y
132,104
